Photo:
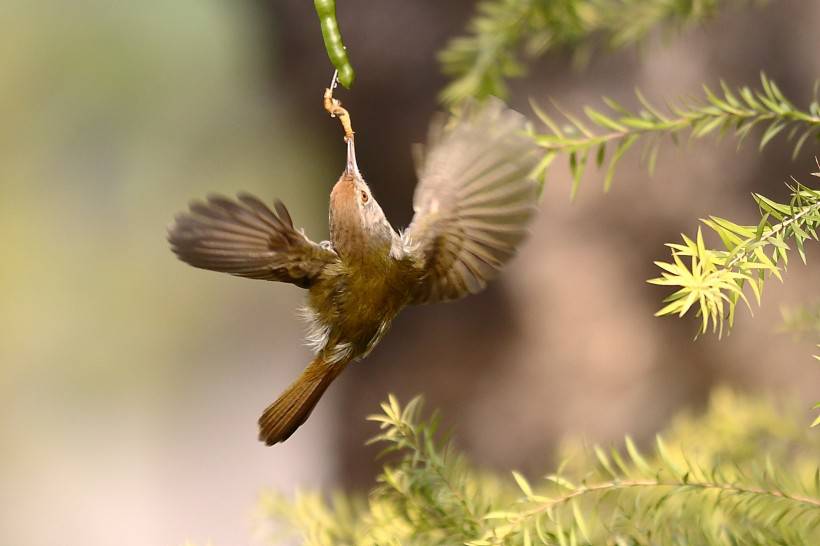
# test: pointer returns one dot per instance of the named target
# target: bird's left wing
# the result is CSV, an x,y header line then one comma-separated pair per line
x,y
473,201
244,237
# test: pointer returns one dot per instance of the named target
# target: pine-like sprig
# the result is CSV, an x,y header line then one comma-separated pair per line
x,y
712,281
605,137
432,485
504,34
481,61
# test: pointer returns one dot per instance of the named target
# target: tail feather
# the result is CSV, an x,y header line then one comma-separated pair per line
x,y
294,406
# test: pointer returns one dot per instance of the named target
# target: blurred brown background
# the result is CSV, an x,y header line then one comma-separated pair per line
x,y
131,383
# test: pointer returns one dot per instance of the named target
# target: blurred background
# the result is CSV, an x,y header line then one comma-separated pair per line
x,y
130,384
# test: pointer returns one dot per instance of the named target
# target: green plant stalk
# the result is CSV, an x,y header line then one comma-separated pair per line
x,y
543,507
518,522
770,233
332,36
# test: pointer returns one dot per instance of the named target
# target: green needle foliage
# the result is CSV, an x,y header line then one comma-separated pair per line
x,y
502,32
712,281
429,495
605,137
743,473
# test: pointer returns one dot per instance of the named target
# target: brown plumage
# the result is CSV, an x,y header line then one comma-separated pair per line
x,y
472,206
294,406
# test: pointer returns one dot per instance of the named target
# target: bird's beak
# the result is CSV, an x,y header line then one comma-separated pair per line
x,y
352,169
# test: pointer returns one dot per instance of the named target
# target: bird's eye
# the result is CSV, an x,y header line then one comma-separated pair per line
x,y
364,196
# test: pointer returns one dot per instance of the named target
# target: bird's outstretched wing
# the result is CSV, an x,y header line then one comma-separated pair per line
x,y
244,237
473,201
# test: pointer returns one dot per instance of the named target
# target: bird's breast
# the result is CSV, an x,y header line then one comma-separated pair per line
x,y
358,303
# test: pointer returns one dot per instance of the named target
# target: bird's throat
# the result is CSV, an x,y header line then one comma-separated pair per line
x,y
359,232
346,230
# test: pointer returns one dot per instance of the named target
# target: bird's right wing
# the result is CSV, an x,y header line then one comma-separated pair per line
x,y
473,201
244,237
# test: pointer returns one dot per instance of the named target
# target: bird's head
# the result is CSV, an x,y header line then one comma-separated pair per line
x,y
358,226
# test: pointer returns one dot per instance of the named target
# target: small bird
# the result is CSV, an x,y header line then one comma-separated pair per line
x,y
474,199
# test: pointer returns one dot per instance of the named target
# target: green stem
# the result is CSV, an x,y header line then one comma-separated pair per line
x,y
774,230
811,502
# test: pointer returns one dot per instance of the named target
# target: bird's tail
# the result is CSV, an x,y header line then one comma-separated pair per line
x,y
293,407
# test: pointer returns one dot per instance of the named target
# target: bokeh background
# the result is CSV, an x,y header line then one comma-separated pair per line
x,y
130,384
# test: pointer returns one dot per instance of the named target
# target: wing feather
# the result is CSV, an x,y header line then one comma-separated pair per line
x,y
244,237
474,200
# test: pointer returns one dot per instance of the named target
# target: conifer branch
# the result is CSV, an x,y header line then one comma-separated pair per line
x,y
428,469
546,506
615,132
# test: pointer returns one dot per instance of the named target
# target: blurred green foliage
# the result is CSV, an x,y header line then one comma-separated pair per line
x,y
743,472
504,35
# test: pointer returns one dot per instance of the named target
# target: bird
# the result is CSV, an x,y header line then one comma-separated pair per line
x,y
475,197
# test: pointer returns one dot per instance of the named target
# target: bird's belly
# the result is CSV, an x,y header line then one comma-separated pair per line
x,y
363,313
356,311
